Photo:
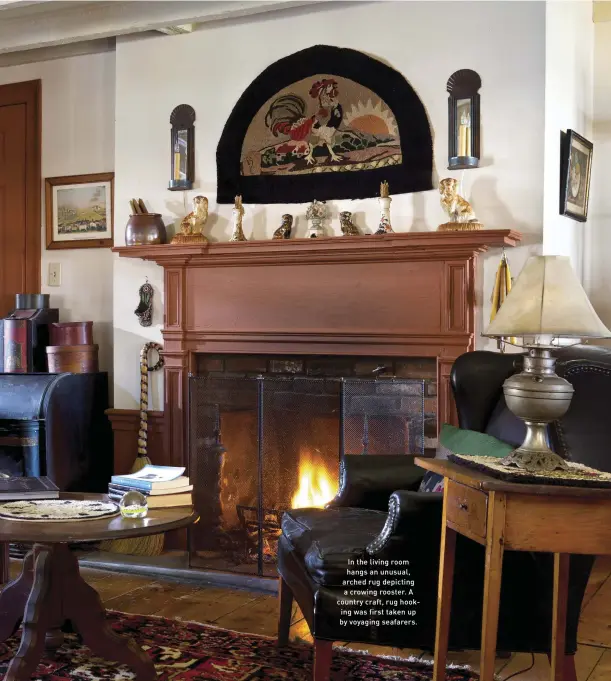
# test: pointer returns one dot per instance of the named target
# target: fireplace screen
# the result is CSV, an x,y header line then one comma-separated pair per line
x,y
259,446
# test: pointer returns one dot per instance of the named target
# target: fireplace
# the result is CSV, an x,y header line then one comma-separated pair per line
x,y
260,443
398,297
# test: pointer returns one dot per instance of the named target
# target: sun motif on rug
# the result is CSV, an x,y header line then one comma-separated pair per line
x,y
195,652
373,119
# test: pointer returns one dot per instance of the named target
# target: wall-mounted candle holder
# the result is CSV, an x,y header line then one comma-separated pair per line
x,y
183,147
464,120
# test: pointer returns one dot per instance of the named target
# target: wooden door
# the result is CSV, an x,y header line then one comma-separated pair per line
x,y
20,188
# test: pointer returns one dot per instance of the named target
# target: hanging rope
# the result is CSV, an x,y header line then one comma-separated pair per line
x,y
143,459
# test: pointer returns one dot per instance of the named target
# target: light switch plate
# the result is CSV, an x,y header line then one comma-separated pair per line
x,y
55,274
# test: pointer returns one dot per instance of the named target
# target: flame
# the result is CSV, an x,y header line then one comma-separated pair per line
x,y
316,487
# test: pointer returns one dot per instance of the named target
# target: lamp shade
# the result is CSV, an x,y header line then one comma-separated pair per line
x,y
547,300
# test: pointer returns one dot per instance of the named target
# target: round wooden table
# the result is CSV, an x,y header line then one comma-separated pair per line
x,y
50,590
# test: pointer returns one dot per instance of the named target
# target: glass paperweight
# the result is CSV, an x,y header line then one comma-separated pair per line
x,y
133,505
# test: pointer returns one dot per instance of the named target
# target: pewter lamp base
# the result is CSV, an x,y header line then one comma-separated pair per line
x,y
537,396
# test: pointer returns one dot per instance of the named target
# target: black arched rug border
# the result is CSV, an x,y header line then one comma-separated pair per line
x,y
414,174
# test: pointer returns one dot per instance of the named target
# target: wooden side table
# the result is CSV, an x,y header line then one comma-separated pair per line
x,y
50,589
503,515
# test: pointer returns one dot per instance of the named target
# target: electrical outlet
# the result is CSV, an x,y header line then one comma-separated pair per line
x,y
55,274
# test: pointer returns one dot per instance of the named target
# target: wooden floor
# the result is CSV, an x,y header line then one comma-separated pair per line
x,y
254,613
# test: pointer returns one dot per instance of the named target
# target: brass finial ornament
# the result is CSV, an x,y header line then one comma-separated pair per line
x,y
547,303
238,215
192,225
384,202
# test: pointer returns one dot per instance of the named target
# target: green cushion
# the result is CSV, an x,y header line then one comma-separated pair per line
x,y
471,442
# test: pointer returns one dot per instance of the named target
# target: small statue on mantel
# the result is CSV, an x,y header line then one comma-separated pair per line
x,y
238,215
461,214
316,213
192,225
347,226
384,201
285,229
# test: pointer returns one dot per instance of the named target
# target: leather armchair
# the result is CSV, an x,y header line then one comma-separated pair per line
x,y
378,512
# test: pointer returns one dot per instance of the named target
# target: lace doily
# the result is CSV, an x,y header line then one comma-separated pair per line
x,y
57,510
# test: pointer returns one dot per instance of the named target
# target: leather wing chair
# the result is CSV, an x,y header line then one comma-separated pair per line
x,y
379,513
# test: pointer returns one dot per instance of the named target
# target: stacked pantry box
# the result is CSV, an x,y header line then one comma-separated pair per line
x,y
163,486
72,348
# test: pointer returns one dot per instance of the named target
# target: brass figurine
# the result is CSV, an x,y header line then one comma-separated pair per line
x,y
462,215
192,225
347,226
285,229
238,214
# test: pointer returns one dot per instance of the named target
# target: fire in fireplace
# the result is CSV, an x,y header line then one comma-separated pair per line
x,y
316,486
262,444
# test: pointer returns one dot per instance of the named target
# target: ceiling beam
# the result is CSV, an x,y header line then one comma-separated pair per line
x,y
97,20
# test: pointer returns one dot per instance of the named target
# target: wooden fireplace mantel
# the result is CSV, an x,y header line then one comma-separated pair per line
x,y
402,294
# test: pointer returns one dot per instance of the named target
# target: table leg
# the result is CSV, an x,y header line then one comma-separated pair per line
x,y
83,607
495,530
444,596
561,588
13,598
42,614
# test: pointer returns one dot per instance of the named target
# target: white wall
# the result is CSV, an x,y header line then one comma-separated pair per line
x,y
77,138
210,69
569,83
599,275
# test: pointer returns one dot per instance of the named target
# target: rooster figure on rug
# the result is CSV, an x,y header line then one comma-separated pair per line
x,y
287,116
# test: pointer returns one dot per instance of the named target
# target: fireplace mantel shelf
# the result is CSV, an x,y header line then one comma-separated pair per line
x,y
395,246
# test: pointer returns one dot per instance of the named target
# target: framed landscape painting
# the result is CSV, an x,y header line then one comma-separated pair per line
x,y
79,211
575,172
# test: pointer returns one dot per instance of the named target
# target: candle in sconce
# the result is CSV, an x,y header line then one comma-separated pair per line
x,y
464,135
176,162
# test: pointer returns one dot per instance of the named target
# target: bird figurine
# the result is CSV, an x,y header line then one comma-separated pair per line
x,y
285,229
192,225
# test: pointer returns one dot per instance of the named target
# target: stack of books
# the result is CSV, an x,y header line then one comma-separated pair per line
x,y
163,486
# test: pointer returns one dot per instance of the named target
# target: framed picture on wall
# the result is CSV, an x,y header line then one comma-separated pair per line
x,y
575,172
79,211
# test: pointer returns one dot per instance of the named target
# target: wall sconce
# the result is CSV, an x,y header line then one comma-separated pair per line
x,y
183,147
464,123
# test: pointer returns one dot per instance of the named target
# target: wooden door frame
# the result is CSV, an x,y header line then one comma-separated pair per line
x,y
29,93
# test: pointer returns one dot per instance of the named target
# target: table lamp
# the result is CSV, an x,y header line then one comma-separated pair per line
x,y
547,303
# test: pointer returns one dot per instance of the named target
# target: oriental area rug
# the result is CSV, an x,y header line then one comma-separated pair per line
x,y
195,652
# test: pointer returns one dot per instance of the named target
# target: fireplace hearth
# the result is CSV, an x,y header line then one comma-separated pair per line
x,y
259,445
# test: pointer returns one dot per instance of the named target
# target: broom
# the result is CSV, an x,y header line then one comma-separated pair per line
x,y
151,545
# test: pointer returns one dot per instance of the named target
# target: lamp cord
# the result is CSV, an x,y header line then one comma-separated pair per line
x,y
522,671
